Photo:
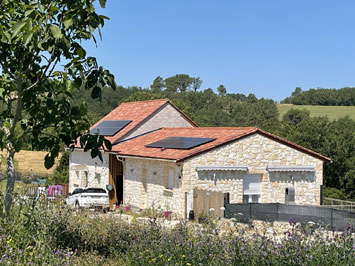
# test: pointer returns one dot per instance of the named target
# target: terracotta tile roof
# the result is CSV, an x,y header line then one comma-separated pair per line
x,y
136,147
138,112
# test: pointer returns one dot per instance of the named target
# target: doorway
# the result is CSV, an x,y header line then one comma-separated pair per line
x,y
116,180
119,189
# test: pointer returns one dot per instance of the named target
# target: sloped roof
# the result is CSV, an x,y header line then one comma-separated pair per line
x,y
138,112
223,135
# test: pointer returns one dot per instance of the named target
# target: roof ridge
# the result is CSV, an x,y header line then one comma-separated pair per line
x,y
153,100
199,128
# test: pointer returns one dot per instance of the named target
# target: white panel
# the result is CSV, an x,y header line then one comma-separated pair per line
x,y
251,184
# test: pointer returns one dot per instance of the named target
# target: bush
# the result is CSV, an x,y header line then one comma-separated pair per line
x,y
47,233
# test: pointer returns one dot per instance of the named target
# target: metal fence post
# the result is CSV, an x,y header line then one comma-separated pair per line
x,y
277,211
331,219
250,211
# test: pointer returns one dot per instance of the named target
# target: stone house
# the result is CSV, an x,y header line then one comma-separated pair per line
x,y
140,118
166,168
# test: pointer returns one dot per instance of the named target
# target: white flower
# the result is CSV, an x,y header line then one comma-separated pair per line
x,y
239,213
212,210
222,208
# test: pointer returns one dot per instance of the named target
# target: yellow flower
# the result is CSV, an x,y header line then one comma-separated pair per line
x,y
169,259
182,256
188,263
161,255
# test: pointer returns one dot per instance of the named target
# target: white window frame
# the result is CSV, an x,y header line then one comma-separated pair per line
x,y
170,183
252,188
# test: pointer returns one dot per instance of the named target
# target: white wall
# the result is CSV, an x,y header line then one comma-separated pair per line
x,y
83,161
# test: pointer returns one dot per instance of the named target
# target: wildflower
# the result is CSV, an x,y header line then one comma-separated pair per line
x,y
183,256
188,263
161,255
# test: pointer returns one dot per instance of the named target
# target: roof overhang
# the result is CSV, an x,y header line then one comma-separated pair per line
x,y
222,168
291,168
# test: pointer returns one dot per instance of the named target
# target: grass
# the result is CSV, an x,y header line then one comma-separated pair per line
x,y
29,162
332,112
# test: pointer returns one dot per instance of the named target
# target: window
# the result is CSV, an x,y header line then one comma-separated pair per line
x,y
170,184
98,179
84,178
251,188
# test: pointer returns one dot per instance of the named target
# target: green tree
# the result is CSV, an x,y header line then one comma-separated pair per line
x,y
196,83
158,84
35,90
178,83
221,90
294,116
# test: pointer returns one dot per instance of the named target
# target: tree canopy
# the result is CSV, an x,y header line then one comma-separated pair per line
x,y
42,64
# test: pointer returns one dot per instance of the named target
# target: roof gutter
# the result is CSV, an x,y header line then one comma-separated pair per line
x,y
147,158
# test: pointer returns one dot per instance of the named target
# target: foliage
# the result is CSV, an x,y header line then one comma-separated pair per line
x,y
61,172
35,90
320,96
42,234
330,192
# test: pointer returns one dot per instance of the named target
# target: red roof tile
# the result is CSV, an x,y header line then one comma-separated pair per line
x,y
137,112
136,147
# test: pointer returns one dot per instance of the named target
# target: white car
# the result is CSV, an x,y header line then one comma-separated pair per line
x,y
88,198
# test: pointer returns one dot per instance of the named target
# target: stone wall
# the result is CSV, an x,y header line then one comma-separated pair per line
x,y
256,152
168,116
98,172
146,182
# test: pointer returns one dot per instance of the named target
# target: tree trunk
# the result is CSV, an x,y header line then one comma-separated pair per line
x,y
10,181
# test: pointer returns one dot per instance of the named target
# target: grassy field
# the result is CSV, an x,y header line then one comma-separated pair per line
x,y
333,112
28,162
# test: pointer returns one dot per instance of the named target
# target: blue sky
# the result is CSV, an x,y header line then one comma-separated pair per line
x,y
263,47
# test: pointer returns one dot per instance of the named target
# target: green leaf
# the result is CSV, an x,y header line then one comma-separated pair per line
x,y
67,22
96,92
48,161
102,3
94,153
81,52
29,12
56,31
17,28
27,37
108,144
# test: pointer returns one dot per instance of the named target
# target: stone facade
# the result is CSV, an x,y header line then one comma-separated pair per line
x,y
146,184
81,165
168,116
169,185
257,152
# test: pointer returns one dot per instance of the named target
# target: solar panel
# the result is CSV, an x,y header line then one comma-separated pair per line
x,y
110,128
183,143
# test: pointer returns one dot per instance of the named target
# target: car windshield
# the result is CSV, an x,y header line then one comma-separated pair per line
x,y
94,190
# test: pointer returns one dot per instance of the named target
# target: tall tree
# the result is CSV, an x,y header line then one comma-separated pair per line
x,y
221,90
196,83
158,84
178,83
35,90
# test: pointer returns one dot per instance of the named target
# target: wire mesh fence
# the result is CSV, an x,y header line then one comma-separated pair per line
x,y
327,217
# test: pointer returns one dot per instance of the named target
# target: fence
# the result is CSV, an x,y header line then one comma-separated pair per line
x,y
327,217
339,204
47,190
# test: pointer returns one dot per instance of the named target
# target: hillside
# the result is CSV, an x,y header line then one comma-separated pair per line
x,y
28,163
333,112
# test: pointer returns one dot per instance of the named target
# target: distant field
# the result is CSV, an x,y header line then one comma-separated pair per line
x,y
333,112
28,162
